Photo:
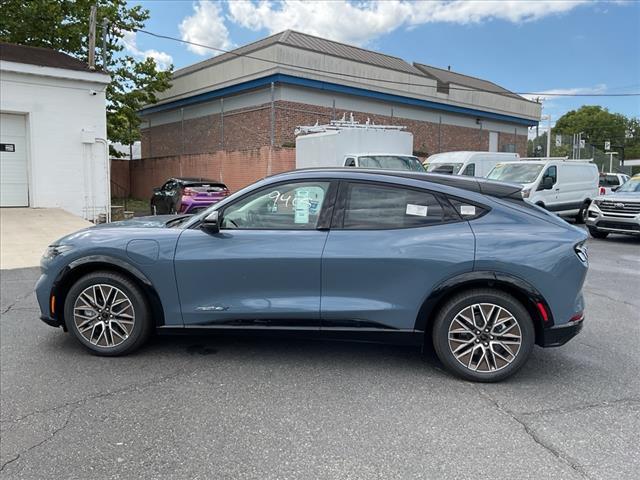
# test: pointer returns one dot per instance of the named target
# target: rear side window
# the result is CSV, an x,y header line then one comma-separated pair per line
x,y
370,206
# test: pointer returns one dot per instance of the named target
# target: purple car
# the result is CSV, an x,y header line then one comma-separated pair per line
x,y
187,195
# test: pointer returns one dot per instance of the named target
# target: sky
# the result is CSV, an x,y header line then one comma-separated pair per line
x,y
532,47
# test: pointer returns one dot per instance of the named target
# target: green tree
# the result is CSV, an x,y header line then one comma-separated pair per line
x,y
596,123
64,25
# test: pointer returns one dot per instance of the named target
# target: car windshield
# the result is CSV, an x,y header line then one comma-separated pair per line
x,y
632,185
448,168
392,162
516,173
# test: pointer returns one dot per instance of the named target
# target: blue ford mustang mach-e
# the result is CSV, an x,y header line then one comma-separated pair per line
x,y
460,262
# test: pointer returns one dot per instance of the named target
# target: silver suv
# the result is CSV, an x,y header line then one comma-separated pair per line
x,y
618,212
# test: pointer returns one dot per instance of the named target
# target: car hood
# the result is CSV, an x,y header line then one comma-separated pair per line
x,y
153,221
620,197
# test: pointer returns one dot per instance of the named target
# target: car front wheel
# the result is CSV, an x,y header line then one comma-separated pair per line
x,y
107,313
483,335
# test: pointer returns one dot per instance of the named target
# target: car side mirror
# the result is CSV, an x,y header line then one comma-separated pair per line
x,y
211,222
547,183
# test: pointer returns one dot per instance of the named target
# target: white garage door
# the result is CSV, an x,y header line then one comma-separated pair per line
x,y
14,183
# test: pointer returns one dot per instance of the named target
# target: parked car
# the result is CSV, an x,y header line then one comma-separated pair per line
x,y
472,164
618,212
186,195
377,255
565,187
388,161
609,182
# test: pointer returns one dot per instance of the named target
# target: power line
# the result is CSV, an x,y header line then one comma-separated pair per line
x,y
318,70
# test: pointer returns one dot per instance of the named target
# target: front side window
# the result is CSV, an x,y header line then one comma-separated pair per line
x,y
383,207
553,173
470,170
351,162
292,206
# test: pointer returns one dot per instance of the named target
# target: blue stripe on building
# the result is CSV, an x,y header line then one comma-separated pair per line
x,y
335,88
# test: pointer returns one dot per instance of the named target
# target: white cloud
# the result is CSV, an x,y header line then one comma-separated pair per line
x,y
554,93
360,22
129,40
206,26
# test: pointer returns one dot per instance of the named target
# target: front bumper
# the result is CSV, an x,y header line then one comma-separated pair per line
x,y
559,335
624,223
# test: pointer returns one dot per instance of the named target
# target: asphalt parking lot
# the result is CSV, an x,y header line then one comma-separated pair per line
x,y
228,407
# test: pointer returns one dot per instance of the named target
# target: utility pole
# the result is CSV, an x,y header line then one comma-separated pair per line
x,y
611,154
92,37
548,118
105,26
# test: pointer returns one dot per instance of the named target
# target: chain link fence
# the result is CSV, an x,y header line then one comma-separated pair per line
x,y
575,148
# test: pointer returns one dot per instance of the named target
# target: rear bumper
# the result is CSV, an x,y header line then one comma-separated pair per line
x,y
560,334
190,204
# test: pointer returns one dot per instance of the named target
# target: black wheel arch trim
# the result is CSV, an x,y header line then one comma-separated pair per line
x,y
511,283
84,265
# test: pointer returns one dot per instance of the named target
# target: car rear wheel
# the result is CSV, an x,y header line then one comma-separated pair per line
x,y
483,335
595,233
107,313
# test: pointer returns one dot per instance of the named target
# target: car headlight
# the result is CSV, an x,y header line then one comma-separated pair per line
x,y
53,251
526,192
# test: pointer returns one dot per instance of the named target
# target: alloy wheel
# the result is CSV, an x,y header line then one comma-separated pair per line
x,y
104,315
484,337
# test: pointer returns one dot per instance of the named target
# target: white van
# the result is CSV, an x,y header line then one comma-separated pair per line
x,y
472,164
565,187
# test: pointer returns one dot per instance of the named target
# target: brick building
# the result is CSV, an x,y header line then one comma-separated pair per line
x,y
232,117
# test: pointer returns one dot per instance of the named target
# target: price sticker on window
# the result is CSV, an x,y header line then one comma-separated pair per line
x,y
301,204
416,210
467,210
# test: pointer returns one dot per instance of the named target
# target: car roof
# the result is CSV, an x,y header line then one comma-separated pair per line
x,y
473,184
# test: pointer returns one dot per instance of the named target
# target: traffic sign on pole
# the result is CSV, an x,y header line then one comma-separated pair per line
x,y
607,145
558,140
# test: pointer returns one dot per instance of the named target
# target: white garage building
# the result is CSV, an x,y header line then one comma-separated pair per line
x,y
53,131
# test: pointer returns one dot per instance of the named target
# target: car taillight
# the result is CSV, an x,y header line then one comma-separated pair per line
x,y
226,192
188,192
603,191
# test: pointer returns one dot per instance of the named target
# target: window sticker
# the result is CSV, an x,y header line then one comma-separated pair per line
x,y
467,209
301,204
417,210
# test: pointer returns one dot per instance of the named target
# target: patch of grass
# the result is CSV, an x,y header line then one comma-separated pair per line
x,y
135,205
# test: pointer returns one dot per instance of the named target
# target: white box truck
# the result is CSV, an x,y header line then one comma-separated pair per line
x,y
351,144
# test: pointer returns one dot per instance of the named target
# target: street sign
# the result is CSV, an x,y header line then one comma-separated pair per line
x,y
558,140
607,145
582,143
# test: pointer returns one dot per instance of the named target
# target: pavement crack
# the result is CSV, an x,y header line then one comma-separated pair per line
x,y
15,302
573,464
42,442
77,404
585,406
96,396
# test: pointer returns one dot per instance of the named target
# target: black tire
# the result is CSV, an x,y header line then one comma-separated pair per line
x,y
581,218
595,233
457,304
142,322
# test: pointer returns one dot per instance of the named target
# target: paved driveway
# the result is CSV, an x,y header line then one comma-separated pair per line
x,y
224,407
26,232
